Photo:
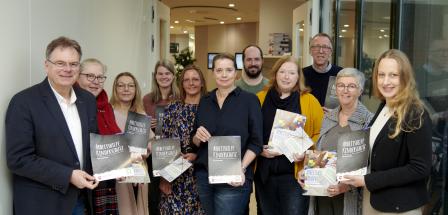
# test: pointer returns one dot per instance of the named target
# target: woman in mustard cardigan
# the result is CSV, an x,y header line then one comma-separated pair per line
x,y
275,183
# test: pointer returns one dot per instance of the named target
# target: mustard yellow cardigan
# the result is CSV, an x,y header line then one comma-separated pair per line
x,y
310,108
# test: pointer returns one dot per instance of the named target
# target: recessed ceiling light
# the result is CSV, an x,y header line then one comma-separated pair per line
x,y
386,36
343,30
300,29
346,26
185,32
177,22
222,22
238,18
231,5
381,37
171,26
340,36
382,30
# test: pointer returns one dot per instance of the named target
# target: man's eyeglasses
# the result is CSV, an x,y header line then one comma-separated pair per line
x,y
319,47
91,77
349,87
62,64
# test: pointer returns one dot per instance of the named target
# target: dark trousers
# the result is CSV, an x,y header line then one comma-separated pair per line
x,y
281,194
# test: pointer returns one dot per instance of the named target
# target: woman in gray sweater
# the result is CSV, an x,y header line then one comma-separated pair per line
x,y
350,115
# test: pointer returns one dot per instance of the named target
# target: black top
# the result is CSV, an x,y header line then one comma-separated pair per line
x,y
240,115
405,161
318,82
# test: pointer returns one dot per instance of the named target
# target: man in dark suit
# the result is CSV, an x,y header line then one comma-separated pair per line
x,y
47,138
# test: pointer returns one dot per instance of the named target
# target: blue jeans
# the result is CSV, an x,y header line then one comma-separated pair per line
x,y
79,207
222,199
281,194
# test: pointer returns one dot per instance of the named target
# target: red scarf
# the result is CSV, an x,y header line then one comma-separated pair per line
x,y
105,115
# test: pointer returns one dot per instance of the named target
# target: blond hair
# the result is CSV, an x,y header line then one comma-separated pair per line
x,y
157,94
407,107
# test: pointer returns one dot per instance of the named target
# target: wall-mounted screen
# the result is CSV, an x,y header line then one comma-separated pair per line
x,y
210,57
239,60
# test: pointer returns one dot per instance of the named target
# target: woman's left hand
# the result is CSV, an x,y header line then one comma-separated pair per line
x,y
239,184
189,156
354,180
337,189
298,157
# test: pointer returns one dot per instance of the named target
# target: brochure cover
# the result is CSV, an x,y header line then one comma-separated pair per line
x,y
353,154
175,169
137,132
224,159
287,134
141,174
159,116
110,156
164,152
320,172
331,100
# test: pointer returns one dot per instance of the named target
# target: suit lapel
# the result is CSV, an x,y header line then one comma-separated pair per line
x,y
53,107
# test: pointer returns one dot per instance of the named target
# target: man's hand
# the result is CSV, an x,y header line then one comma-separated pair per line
x,y
83,180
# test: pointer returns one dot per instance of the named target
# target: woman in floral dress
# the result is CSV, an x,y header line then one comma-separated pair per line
x,y
180,196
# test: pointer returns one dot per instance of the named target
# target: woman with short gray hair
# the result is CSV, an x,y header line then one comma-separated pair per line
x,y
350,115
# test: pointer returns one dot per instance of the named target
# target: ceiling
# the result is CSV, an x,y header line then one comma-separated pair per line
x,y
190,13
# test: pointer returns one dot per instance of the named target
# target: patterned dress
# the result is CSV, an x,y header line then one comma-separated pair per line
x,y
184,199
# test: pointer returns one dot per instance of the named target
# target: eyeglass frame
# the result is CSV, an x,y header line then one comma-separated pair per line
x,y
324,48
91,77
62,64
349,87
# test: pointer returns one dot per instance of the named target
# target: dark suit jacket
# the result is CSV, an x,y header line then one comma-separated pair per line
x,y
41,153
400,167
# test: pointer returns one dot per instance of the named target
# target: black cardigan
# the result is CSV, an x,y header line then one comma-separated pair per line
x,y
400,167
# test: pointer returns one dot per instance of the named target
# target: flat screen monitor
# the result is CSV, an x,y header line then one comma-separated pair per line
x,y
210,57
239,60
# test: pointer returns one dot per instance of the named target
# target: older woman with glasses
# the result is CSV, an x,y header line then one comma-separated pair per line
x,y
92,79
350,115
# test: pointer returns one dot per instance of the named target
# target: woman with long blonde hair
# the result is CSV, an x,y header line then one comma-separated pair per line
x,y
126,96
400,142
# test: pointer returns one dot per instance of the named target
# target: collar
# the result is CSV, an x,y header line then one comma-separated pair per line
x,y
325,70
358,117
60,98
212,94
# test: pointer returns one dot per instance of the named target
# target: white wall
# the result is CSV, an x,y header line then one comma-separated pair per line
x,y
275,17
118,32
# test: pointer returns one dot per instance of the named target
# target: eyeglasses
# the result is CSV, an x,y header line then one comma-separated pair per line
x,y
122,86
319,47
349,87
62,64
91,77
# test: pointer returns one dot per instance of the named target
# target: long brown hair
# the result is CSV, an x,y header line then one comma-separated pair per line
x,y
157,95
183,95
407,107
300,85
136,104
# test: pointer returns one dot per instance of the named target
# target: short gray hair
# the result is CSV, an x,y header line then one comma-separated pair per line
x,y
354,73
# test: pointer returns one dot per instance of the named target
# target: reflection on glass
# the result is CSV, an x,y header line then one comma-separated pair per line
x,y
426,43
347,34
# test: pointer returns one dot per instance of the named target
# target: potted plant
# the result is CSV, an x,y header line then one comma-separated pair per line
x,y
183,59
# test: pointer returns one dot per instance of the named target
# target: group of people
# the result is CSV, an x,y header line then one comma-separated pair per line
x,y
48,126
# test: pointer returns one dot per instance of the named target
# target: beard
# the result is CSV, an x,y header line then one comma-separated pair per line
x,y
252,74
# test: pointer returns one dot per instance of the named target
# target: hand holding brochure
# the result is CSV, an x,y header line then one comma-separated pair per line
x,y
353,154
110,157
141,174
224,159
167,160
137,132
320,172
287,134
